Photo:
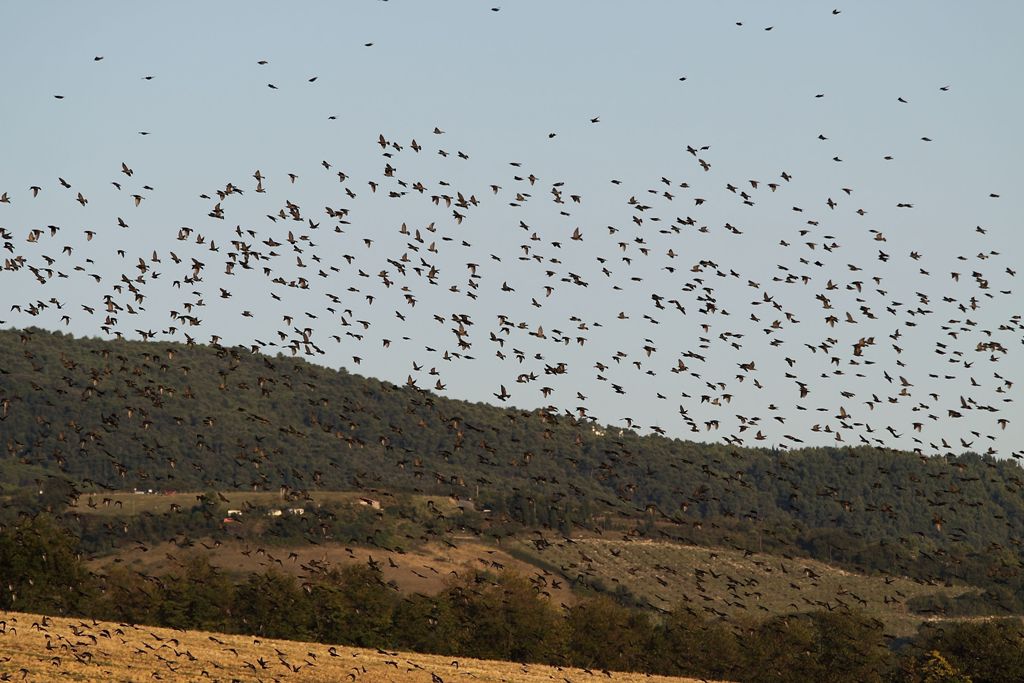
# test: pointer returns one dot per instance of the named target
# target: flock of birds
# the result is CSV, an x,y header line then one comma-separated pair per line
x,y
826,322
642,310
138,653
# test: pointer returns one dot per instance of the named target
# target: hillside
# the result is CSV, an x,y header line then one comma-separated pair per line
x,y
40,648
561,341
118,414
659,577
727,584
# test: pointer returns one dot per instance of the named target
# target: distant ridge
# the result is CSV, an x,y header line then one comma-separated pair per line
x,y
124,414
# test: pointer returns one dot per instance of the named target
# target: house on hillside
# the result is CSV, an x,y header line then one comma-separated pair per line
x,y
371,502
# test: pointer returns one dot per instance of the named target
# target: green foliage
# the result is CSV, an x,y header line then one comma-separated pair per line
x,y
606,635
833,646
932,667
196,595
40,567
694,646
353,606
127,596
272,604
499,617
986,650
783,649
429,624
97,415
508,619
997,599
851,646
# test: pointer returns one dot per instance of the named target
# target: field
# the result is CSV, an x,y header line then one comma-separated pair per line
x,y
129,503
425,569
728,583
36,648
711,582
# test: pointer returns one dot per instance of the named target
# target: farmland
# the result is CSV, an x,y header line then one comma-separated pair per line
x,y
427,569
661,576
36,648
711,582
721,582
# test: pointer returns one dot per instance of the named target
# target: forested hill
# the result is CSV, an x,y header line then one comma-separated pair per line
x,y
120,414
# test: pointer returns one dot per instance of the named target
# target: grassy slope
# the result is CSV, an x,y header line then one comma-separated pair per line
x,y
425,570
716,581
661,575
106,651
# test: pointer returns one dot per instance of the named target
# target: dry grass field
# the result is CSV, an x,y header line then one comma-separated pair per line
x,y
710,581
426,569
36,648
717,581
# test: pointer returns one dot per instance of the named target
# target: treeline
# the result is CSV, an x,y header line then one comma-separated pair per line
x,y
502,616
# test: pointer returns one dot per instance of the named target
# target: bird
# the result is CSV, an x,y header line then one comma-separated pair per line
x,y
486,289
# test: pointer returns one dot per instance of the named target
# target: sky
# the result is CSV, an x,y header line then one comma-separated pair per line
x,y
663,298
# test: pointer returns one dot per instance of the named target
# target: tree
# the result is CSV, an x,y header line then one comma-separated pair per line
x,y
606,635
272,604
782,649
41,568
851,646
689,645
197,596
424,623
353,606
508,619
991,650
124,595
932,667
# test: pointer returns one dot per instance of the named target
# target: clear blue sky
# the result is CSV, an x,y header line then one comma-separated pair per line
x,y
499,84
